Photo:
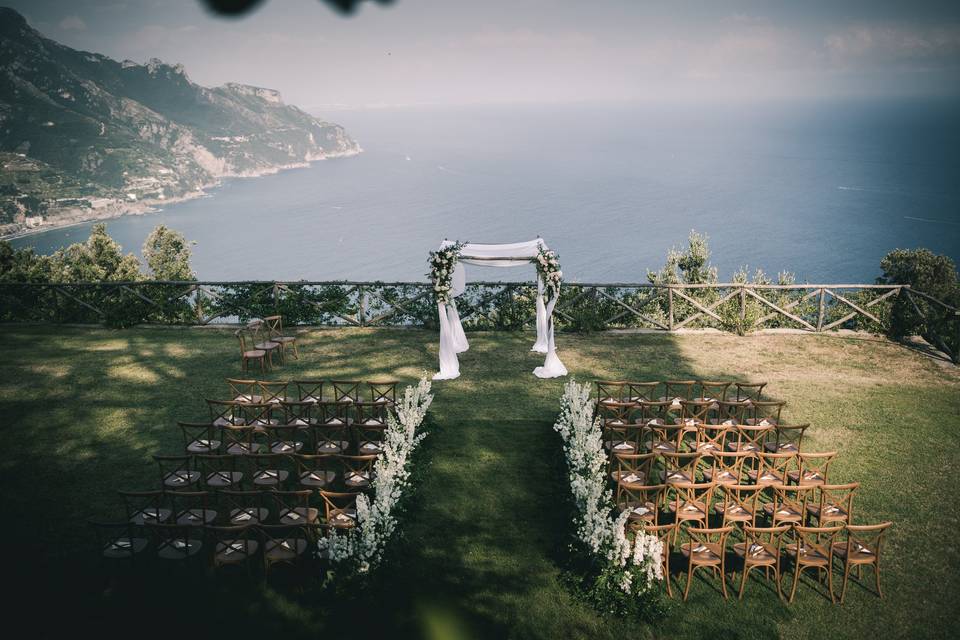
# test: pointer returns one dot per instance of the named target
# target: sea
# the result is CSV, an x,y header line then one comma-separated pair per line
x,y
820,189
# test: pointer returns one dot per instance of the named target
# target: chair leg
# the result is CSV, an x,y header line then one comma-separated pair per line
x,y
833,599
778,578
296,354
723,580
846,575
686,591
876,572
796,579
666,571
743,580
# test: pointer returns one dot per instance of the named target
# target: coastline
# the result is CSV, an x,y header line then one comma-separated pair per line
x,y
143,207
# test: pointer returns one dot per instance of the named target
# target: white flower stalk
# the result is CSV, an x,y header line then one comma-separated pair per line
x,y
632,557
548,268
364,544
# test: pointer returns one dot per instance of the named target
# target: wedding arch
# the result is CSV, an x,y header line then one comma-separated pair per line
x,y
449,281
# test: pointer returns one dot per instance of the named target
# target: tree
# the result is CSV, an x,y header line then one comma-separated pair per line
x,y
99,259
167,254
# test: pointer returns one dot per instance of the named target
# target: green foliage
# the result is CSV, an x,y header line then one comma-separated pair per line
x,y
167,254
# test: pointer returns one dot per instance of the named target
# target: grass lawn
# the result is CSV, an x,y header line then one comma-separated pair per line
x,y
484,540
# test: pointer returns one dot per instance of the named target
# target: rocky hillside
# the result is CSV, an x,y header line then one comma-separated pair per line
x,y
84,136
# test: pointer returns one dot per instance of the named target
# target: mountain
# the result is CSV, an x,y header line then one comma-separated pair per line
x,y
83,136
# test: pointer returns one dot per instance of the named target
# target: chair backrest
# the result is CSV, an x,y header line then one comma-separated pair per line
x,y
241,507
688,493
638,464
695,411
866,538
678,389
272,391
383,391
298,412
259,414
309,390
639,496
815,466
727,466
772,536
225,412
345,391
214,467
357,471
772,468
731,412
836,501
641,391
708,536
680,465
665,437
789,437
789,502
115,539
809,539
200,437
145,506
243,390
767,412
284,503
740,500
615,413
333,414
274,325
176,541
712,438
176,472
752,437
370,414
246,341
713,390
749,390
611,391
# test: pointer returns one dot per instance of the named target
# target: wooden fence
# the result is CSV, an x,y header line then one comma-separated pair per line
x,y
489,305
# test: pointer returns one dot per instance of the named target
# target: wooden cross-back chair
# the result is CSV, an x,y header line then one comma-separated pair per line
x,y
119,540
862,547
225,412
248,352
272,391
833,504
200,437
813,468
682,467
298,413
641,391
340,508
643,502
315,471
730,412
762,548
654,411
612,391
706,548
749,391
259,415
333,414
665,533
765,412
677,390
812,548
218,472
694,412
711,439
772,468
143,507
262,341
331,439
345,391
712,391
269,470
284,544
726,468
738,504
239,440
177,472
663,438
286,439
628,438
240,507
243,390
749,438
233,545
690,502
788,504
175,542
786,438
371,414
275,333
383,391
632,469
369,438
309,390
292,507
356,471
192,508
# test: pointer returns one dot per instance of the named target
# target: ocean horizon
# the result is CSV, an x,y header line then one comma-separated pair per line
x,y
823,190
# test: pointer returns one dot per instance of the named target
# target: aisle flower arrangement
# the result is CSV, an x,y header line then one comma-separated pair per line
x,y
361,548
632,562
442,264
548,268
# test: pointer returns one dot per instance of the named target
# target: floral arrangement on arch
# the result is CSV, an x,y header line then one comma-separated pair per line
x,y
548,268
632,562
442,263
361,547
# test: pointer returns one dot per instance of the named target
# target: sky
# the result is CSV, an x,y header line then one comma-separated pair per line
x,y
533,51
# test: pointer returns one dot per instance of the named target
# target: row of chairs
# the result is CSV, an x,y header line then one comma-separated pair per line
x,y
819,548
312,391
695,411
706,439
261,338
676,390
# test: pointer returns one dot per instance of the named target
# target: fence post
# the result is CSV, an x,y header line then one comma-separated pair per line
x,y
276,298
956,348
198,303
820,313
670,301
743,307
362,306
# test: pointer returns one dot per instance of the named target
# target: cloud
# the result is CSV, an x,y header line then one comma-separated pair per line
x,y
73,23
883,45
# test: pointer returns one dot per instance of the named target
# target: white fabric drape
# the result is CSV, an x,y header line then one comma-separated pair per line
x,y
452,338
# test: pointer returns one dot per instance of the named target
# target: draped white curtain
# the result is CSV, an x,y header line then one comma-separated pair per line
x,y
452,338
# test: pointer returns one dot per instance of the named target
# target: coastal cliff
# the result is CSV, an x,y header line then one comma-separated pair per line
x,y
83,136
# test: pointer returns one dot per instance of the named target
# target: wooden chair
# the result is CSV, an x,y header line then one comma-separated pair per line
x,y
691,502
315,471
834,504
664,532
192,508
652,411
711,439
812,548
233,545
119,540
369,438
749,391
218,472
268,471
730,412
761,548
663,438
340,508
244,390
643,502
356,471
345,391
298,413
641,391
239,441
309,390
813,468
259,415
788,504
262,342
726,468
765,413
177,472
243,507
680,467
331,439
249,352
284,544
739,504
786,438
695,412
383,391
225,412
713,392
632,469
177,543
676,390
333,414
706,548
274,328
861,548
145,507
370,414
285,439
611,391
200,437
772,468
749,438
292,507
